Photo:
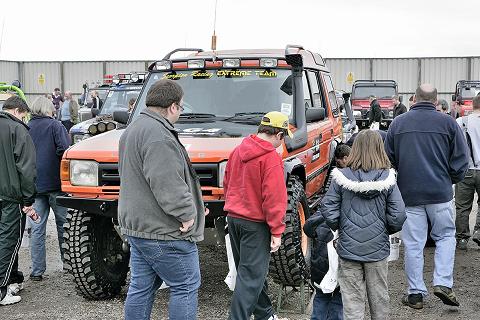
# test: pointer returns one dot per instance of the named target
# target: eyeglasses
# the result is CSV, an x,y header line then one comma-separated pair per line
x,y
282,135
180,107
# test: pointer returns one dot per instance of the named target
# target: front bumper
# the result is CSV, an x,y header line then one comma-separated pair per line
x,y
109,208
102,207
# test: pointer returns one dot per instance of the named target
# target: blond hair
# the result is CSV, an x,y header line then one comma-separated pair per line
x,y
368,152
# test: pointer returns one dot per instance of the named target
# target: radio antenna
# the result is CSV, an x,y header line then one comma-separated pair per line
x,y
214,36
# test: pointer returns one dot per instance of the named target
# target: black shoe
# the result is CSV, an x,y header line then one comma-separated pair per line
x,y
414,300
36,278
462,244
446,295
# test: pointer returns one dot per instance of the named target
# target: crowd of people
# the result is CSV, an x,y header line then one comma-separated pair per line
x,y
382,183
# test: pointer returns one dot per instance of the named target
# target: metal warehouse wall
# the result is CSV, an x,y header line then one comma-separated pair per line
x,y
42,77
8,71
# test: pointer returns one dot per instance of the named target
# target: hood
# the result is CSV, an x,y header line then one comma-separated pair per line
x,y
104,148
7,115
365,184
253,147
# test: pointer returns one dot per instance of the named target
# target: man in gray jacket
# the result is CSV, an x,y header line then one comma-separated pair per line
x,y
160,208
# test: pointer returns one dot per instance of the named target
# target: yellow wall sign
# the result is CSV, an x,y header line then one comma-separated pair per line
x,y
41,79
350,78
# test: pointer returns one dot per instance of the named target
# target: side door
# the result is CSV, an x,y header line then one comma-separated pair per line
x,y
319,132
335,114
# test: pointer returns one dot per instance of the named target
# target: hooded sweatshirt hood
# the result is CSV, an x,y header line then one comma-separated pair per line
x,y
253,147
366,184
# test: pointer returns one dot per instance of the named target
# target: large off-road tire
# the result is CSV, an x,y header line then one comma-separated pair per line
x,y
94,256
290,265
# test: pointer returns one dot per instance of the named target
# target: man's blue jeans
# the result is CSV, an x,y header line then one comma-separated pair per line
x,y
327,306
414,235
42,205
153,262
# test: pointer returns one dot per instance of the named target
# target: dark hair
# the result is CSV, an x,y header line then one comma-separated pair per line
x,y
163,93
271,131
15,102
56,89
342,151
476,102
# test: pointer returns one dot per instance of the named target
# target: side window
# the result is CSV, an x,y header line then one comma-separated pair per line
x,y
315,89
306,93
331,95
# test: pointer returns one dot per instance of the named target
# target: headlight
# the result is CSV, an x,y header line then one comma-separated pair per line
x,y
80,137
221,173
390,114
84,173
357,114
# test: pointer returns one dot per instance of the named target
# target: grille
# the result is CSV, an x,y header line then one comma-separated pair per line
x,y
108,174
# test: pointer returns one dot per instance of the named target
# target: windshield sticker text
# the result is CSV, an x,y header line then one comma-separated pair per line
x,y
233,73
286,109
199,131
202,74
266,74
172,76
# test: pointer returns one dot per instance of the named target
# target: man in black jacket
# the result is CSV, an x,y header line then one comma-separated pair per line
x,y
399,107
17,187
375,114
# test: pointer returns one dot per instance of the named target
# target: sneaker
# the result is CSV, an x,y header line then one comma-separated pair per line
x,y
36,278
414,300
446,295
15,288
10,299
476,237
462,244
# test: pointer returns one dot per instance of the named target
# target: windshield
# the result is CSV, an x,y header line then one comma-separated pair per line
x,y
227,93
117,100
379,92
466,93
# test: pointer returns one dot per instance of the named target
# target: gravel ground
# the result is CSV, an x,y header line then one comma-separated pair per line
x,y
55,297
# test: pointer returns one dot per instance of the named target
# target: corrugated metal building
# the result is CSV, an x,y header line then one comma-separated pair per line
x,y
41,77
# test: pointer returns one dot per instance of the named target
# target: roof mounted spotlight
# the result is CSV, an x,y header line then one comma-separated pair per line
x,y
116,79
134,77
196,64
163,65
231,63
268,63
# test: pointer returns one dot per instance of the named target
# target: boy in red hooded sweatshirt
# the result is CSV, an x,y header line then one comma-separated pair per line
x,y
255,202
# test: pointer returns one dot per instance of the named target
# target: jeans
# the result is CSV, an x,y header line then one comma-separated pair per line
x,y
356,279
251,252
414,235
464,195
327,306
153,262
42,205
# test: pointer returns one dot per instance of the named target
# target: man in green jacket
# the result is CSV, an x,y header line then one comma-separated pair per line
x,y
17,187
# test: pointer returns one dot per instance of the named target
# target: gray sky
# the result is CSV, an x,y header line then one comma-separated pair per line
x,y
146,30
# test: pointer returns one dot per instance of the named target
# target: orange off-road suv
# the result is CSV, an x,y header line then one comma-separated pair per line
x,y
226,94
